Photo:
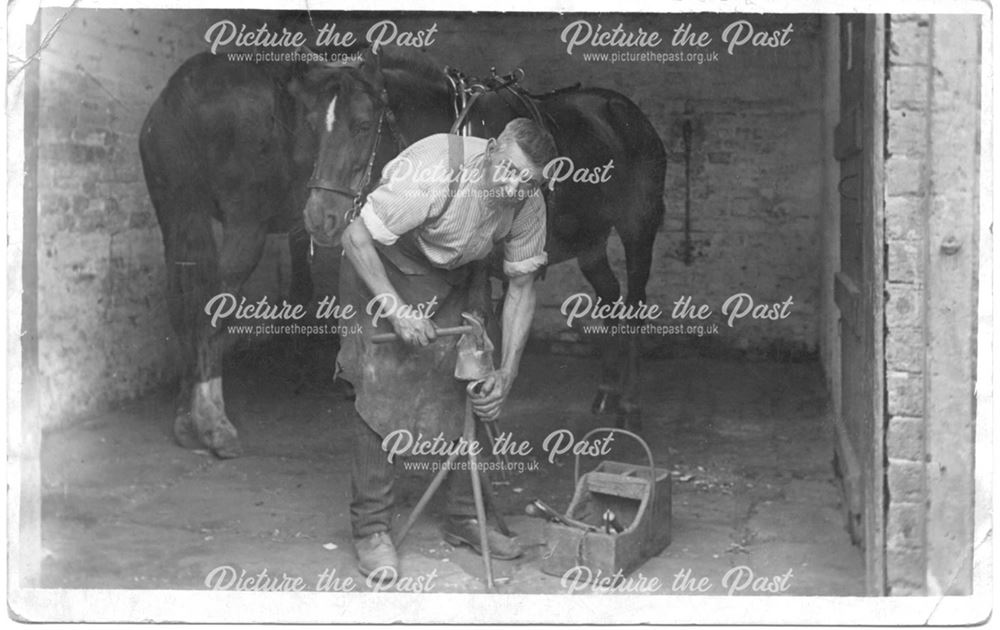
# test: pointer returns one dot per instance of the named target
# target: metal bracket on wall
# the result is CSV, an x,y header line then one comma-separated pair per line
x,y
687,132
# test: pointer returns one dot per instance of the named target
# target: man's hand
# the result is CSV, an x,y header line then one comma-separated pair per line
x,y
414,331
488,398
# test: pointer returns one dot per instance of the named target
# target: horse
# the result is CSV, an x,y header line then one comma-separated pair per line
x,y
234,142
378,104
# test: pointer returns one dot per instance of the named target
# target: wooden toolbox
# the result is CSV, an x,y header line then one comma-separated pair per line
x,y
639,497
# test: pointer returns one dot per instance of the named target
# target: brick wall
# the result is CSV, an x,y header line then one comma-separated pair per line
x,y
905,208
103,329
931,184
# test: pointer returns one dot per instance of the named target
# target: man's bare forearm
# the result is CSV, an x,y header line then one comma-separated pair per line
x,y
360,250
518,309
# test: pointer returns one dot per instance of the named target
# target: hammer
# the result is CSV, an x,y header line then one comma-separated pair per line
x,y
441,332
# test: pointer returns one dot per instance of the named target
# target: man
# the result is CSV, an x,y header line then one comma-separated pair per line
x,y
441,205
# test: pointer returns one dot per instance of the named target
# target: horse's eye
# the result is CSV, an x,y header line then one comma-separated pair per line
x,y
362,127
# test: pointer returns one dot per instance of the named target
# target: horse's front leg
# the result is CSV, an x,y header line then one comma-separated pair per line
x,y
242,246
628,410
638,261
192,260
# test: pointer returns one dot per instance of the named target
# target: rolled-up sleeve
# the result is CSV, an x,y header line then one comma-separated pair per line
x,y
524,246
399,204
389,213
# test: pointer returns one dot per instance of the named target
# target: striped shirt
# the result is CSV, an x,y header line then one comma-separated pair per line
x,y
412,196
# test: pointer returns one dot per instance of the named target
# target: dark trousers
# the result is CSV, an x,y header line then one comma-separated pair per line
x,y
372,478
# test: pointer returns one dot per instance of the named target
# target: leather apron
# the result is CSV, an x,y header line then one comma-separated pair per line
x,y
399,386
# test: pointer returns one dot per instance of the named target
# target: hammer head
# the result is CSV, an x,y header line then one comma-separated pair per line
x,y
475,352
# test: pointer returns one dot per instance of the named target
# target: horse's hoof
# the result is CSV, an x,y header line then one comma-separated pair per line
x,y
605,401
629,416
632,422
185,433
225,444
629,422
229,451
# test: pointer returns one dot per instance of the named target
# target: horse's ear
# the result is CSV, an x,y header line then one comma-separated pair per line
x,y
297,88
307,73
371,62
306,60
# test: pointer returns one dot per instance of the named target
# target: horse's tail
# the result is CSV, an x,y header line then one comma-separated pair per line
x,y
648,156
636,129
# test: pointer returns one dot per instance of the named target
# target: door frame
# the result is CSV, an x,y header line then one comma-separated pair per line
x,y
874,163
864,480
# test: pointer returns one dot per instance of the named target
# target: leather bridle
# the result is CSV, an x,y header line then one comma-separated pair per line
x,y
386,118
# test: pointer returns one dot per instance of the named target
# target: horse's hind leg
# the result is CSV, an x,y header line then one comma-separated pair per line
x,y
638,260
597,270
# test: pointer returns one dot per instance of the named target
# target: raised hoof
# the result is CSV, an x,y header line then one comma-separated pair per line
x,y
605,402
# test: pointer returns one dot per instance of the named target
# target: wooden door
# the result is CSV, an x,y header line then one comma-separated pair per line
x,y
858,290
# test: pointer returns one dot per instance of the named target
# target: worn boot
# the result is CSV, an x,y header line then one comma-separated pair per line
x,y
377,557
465,531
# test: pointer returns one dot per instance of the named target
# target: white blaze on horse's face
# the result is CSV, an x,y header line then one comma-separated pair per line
x,y
331,116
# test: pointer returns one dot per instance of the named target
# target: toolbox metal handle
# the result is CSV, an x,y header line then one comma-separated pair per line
x,y
649,456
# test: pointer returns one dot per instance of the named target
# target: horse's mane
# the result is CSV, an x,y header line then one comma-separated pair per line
x,y
418,63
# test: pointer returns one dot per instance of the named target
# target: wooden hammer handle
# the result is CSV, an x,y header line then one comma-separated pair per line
x,y
441,332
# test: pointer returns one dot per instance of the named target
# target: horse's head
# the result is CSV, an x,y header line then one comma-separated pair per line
x,y
347,108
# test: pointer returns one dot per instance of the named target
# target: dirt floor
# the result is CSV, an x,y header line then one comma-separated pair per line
x,y
753,487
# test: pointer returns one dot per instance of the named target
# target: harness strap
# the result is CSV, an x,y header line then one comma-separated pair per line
x,y
460,120
456,158
557,91
529,104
